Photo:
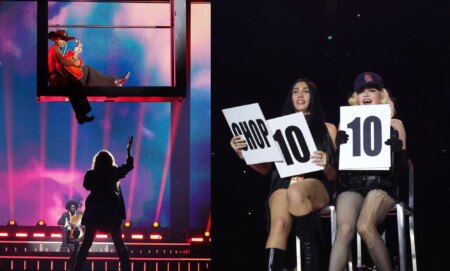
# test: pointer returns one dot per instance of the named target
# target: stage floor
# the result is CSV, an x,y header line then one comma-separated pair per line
x,y
32,248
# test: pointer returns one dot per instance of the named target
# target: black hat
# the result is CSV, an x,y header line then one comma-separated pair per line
x,y
59,34
72,202
367,79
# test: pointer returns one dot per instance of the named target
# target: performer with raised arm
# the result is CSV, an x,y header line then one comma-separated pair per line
x,y
105,207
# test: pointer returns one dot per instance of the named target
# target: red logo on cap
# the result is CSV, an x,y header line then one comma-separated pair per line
x,y
368,78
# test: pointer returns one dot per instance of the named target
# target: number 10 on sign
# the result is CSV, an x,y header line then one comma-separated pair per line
x,y
368,127
292,134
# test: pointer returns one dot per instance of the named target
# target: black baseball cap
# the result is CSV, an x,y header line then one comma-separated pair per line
x,y
367,79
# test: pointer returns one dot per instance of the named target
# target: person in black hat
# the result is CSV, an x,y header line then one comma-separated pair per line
x,y
297,199
72,231
84,75
105,207
365,197
90,76
70,221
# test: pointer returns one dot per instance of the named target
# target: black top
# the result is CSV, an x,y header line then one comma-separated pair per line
x,y
105,206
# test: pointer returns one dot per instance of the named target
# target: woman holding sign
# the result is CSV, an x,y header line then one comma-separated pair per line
x,y
295,199
365,197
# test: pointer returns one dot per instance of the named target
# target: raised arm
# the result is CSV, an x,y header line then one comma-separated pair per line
x,y
129,144
129,165
238,143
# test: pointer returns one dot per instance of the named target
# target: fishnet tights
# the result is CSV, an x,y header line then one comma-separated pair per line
x,y
353,211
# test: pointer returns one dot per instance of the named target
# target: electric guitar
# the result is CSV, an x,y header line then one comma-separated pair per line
x,y
73,225
72,70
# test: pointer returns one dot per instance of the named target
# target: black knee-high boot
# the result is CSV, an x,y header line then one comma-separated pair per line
x,y
275,259
305,231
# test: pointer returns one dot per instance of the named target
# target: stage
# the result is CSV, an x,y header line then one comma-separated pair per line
x,y
38,248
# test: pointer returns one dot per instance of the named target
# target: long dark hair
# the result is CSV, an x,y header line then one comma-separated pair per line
x,y
103,160
315,118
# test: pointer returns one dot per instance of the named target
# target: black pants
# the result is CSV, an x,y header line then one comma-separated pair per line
x,y
93,78
74,89
66,237
116,234
77,97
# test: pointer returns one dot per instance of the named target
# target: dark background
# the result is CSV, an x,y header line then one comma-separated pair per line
x,y
259,47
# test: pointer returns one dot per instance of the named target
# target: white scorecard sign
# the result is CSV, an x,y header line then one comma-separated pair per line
x,y
248,121
368,127
292,134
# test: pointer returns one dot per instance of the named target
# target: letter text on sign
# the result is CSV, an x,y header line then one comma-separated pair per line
x,y
248,121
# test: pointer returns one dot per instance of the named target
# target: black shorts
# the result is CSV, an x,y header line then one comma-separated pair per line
x,y
365,181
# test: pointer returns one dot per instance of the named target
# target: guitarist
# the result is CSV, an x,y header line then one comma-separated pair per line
x,y
77,97
71,229
90,76
69,222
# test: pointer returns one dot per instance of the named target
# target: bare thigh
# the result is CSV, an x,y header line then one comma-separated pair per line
x,y
315,191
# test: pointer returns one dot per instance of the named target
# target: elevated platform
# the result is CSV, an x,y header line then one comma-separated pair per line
x,y
38,248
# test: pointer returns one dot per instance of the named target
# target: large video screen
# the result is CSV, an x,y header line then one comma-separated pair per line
x,y
115,50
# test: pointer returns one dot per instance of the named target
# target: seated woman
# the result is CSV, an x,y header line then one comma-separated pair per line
x,y
88,76
365,197
296,198
67,71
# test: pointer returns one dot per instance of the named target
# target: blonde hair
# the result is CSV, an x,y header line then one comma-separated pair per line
x,y
385,99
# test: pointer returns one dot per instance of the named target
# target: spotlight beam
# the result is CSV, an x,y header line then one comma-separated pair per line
x,y
173,131
137,152
73,153
42,152
9,137
208,226
107,123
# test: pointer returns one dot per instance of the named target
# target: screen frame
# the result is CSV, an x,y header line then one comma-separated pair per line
x,y
180,74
